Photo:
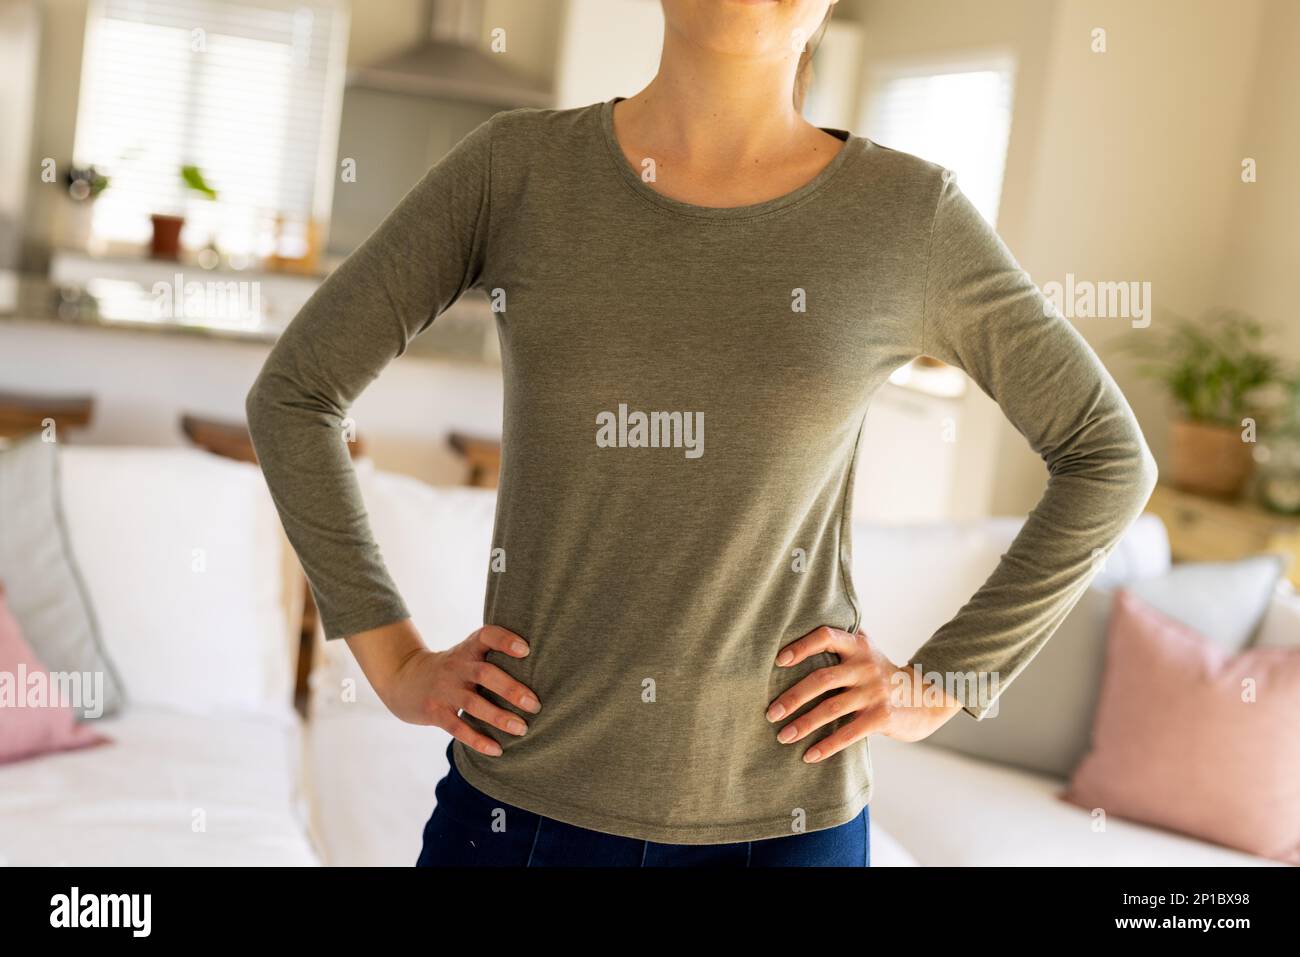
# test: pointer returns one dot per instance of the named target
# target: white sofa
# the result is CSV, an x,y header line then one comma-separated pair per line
x,y
185,563
948,809
372,778
198,596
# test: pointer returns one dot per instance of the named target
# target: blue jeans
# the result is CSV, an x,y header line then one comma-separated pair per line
x,y
460,833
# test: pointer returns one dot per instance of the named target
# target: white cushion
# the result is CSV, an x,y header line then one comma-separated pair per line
x,y
435,543
911,579
1281,625
949,810
1222,601
181,552
169,790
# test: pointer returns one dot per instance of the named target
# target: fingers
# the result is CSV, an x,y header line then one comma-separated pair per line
x,y
820,639
463,733
502,640
485,710
494,679
861,671
496,638
867,722
817,683
855,699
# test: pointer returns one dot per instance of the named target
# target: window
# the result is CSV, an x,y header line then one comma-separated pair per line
x,y
246,90
956,114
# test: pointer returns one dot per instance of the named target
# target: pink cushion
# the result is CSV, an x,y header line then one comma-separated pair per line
x,y
27,731
1175,745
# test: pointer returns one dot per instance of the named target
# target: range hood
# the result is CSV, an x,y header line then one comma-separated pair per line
x,y
450,65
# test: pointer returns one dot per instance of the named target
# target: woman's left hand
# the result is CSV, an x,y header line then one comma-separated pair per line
x,y
881,695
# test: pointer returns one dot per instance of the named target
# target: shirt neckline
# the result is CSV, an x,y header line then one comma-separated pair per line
x,y
852,143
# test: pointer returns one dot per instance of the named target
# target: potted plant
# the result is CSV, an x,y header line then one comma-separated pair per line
x,y
166,241
1279,474
1214,371
84,184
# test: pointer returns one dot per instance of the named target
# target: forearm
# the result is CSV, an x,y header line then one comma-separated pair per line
x,y
1059,550
383,652
985,315
424,254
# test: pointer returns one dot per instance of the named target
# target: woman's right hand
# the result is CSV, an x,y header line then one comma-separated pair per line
x,y
420,686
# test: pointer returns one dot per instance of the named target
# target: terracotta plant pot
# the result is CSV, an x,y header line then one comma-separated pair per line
x,y
1209,459
166,241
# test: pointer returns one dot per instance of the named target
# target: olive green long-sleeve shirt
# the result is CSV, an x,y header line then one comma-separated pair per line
x,y
685,389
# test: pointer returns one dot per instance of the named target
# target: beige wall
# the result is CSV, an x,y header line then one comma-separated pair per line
x,y
1136,173
382,28
58,86
19,56
1125,165
901,29
532,32
1261,258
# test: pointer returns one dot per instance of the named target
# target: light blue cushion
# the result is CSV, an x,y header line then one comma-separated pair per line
x,y
42,585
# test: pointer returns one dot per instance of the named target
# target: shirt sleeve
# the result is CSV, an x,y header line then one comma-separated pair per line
x,y
419,261
983,314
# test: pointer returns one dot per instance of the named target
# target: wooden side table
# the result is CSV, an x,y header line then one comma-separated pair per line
x,y
1208,530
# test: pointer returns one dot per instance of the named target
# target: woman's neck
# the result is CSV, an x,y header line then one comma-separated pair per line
x,y
712,111
721,127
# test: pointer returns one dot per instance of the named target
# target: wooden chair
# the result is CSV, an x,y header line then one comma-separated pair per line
x,y
483,457
231,439
22,413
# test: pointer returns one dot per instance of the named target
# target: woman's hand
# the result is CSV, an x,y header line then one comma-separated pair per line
x,y
879,693
432,687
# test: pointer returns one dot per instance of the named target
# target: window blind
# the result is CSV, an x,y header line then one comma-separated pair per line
x,y
244,90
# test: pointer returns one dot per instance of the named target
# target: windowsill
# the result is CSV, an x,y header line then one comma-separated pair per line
x,y
465,333
121,259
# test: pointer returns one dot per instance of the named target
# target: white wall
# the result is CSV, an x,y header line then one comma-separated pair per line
x,y
607,48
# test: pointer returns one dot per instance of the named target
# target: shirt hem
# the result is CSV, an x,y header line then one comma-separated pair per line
x,y
817,819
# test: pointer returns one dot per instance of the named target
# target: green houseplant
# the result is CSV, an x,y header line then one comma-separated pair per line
x,y
1216,370
1279,478
166,242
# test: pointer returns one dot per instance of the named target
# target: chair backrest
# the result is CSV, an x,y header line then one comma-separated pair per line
x,y
22,413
